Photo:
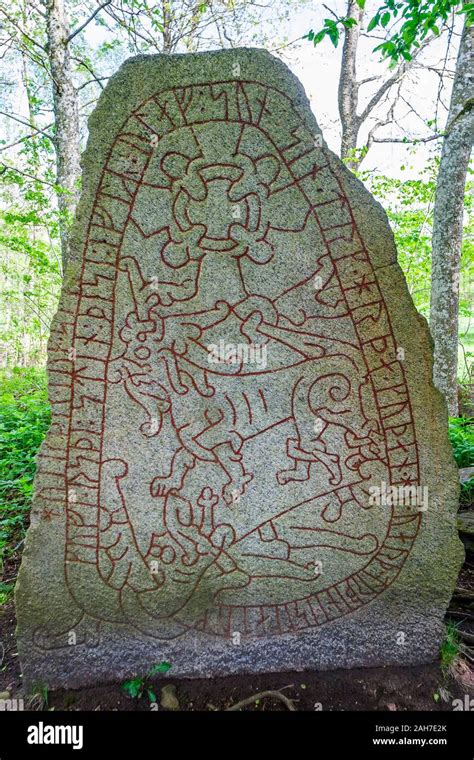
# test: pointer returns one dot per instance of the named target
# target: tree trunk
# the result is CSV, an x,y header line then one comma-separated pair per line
x,y
167,28
29,90
66,112
448,225
348,93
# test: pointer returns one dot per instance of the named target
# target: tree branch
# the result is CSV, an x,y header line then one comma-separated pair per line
x,y
24,174
385,87
95,80
408,140
22,31
26,123
370,137
329,10
26,137
132,33
86,22
368,79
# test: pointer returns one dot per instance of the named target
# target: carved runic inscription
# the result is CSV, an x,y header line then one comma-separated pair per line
x,y
234,389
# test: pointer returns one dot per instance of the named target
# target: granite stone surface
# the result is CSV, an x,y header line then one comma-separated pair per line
x,y
248,466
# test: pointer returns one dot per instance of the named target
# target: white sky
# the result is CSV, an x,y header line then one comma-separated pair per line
x,y
318,69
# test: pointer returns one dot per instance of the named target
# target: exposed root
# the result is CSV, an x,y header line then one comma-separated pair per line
x,y
262,695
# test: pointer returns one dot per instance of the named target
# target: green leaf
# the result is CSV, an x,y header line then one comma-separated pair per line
x,y
361,3
373,22
151,695
385,19
133,687
319,37
348,23
332,31
161,667
468,8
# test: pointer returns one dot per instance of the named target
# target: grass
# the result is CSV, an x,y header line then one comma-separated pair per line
x,y
24,419
466,349
450,646
461,435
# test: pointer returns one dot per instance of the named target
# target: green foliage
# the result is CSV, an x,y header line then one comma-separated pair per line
x,y
450,646
39,699
409,205
461,435
136,687
330,29
24,419
418,19
412,21
30,270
